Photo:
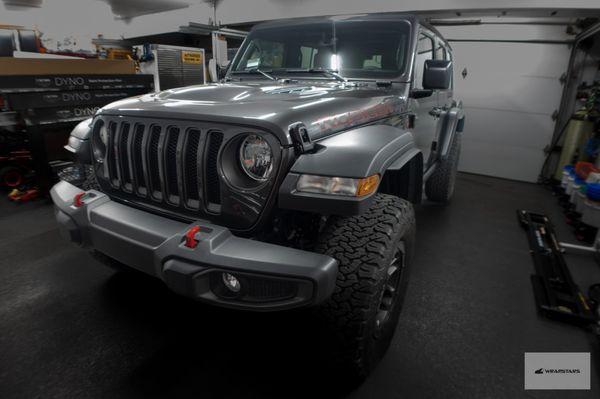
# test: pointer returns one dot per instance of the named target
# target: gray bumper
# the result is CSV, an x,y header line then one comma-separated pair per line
x,y
272,277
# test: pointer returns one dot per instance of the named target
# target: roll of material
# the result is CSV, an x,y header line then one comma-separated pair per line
x,y
577,134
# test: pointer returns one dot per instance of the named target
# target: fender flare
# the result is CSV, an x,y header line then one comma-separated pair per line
x,y
355,153
79,142
453,121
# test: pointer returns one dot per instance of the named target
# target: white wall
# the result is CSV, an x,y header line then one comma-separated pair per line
x,y
509,95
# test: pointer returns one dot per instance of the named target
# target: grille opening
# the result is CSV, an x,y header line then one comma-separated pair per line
x,y
112,154
170,160
154,162
173,167
124,158
138,159
190,166
213,183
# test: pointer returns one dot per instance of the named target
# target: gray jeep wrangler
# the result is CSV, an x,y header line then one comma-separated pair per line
x,y
289,184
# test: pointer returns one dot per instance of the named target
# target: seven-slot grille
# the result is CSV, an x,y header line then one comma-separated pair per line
x,y
170,164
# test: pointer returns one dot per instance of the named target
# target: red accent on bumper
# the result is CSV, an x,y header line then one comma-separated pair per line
x,y
78,199
190,240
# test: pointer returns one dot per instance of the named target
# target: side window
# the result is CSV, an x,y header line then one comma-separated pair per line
x,y
424,52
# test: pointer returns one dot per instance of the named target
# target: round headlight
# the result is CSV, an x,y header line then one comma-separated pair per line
x,y
256,157
103,133
100,143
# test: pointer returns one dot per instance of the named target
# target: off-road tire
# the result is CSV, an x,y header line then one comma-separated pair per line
x,y
365,246
11,177
440,185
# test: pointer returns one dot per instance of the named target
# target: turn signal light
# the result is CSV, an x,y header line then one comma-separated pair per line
x,y
367,185
345,186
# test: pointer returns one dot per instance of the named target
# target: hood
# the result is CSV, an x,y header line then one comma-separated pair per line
x,y
323,107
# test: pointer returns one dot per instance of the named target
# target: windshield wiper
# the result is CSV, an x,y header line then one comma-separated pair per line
x,y
329,72
257,70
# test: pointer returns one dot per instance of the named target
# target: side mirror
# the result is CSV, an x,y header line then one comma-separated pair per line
x,y
437,74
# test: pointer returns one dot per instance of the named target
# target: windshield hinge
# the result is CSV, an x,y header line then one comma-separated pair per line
x,y
300,138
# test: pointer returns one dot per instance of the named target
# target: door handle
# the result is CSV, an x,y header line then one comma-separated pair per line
x,y
436,111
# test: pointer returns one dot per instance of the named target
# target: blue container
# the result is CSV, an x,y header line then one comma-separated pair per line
x,y
593,191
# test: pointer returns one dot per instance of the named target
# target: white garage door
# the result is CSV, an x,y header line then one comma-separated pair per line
x,y
509,94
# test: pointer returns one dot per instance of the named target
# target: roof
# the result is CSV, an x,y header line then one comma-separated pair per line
x,y
321,19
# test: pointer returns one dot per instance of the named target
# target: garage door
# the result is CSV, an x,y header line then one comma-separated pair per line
x,y
510,92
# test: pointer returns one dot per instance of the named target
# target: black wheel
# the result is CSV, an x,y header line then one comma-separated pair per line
x,y
440,185
373,250
11,177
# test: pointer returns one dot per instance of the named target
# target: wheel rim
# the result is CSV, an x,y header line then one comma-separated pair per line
x,y
13,178
390,293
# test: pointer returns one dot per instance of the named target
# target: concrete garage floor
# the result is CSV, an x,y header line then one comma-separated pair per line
x,y
71,328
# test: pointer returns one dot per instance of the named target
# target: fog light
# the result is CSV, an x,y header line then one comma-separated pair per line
x,y
231,282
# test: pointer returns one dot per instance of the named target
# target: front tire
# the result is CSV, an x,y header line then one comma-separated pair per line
x,y
373,251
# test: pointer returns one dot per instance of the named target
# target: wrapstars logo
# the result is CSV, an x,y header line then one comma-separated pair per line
x,y
43,82
557,371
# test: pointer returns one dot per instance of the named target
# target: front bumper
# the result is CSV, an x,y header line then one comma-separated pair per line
x,y
272,277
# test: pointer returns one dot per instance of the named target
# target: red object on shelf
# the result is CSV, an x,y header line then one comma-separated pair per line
x,y
190,237
23,196
583,169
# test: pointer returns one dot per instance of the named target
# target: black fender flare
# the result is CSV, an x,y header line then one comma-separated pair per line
x,y
355,153
453,121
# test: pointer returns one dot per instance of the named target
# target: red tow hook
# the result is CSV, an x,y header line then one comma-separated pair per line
x,y
78,200
190,237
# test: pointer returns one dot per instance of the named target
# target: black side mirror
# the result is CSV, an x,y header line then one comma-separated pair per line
x,y
437,74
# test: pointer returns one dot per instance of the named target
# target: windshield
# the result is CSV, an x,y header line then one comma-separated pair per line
x,y
354,49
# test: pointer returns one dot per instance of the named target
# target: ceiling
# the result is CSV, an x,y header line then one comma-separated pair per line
x,y
134,8
121,8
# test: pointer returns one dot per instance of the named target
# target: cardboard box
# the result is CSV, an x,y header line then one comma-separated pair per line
x,y
41,66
